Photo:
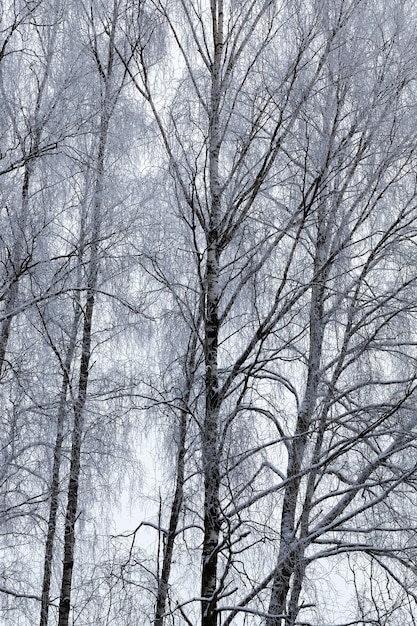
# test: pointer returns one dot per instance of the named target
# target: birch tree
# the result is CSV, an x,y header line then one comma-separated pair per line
x,y
33,100
288,138
110,87
66,226
222,155
277,374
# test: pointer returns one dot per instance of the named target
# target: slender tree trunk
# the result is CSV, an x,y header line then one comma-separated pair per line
x,y
78,426
77,434
55,487
15,268
210,443
109,99
210,435
291,548
16,264
163,582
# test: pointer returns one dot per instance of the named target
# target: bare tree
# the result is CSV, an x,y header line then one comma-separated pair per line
x,y
284,173
221,170
34,97
111,84
278,370
54,239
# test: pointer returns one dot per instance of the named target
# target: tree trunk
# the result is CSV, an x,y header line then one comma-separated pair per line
x,y
108,102
55,488
15,268
16,265
291,548
77,434
162,592
210,443
210,435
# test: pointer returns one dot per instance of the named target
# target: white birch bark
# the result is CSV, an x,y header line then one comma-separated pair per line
x,y
210,434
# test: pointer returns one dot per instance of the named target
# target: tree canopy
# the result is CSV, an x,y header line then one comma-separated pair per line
x,y
208,302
